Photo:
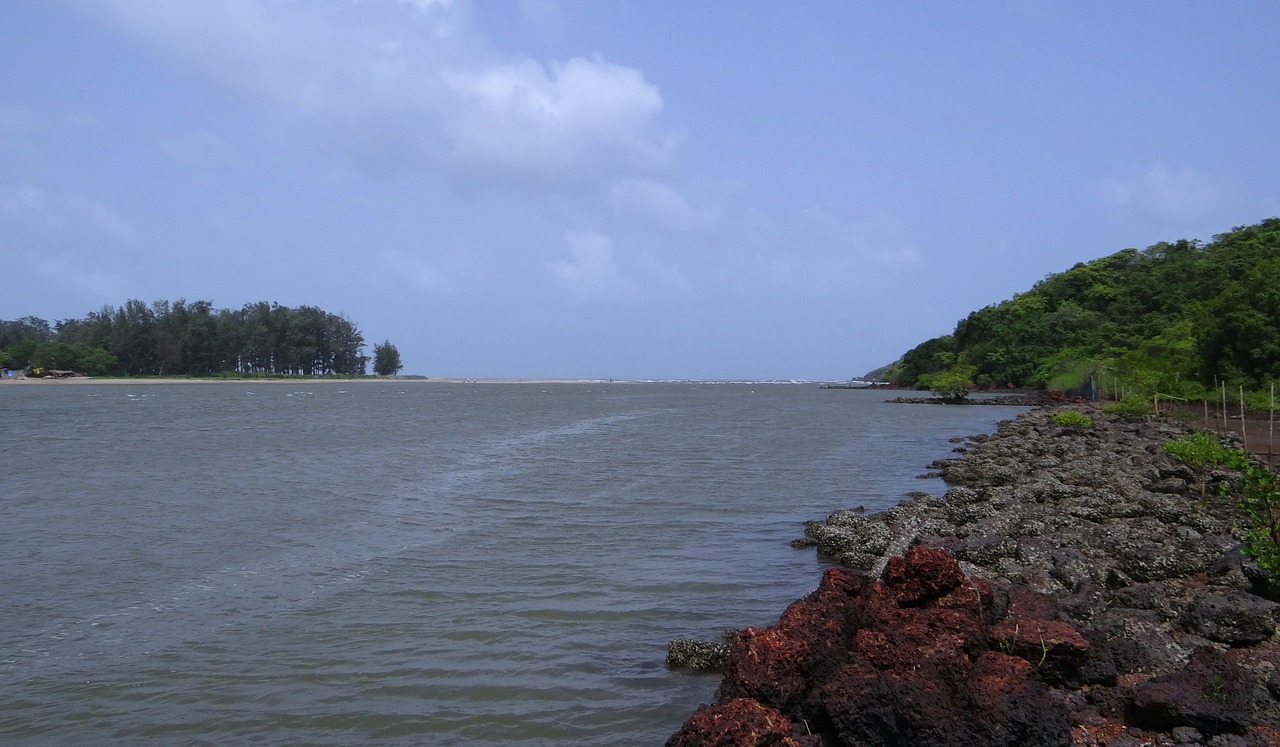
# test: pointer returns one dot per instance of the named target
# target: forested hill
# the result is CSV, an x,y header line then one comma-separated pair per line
x,y
188,339
1172,318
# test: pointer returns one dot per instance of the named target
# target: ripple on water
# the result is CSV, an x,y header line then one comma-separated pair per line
x,y
416,565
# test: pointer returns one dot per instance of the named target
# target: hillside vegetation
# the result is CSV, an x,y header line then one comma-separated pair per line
x,y
1175,318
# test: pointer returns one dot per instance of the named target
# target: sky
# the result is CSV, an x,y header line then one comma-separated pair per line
x,y
629,189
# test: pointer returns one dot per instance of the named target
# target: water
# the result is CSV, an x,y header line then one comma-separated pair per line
x,y
411,563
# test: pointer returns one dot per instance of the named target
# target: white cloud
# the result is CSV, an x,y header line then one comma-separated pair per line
x,y
664,274
203,151
815,249
1184,197
417,272
28,213
66,238
409,84
591,272
660,204
95,283
103,220
20,200
427,6
877,240
544,17
576,120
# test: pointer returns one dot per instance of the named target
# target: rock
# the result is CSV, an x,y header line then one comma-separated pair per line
x,y
850,537
986,550
905,660
923,575
996,703
698,655
1145,596
1072,569
1098,581
1173,485
1210,694
1235,740
766,665
1140,642
1099,667
1011,708
738,723
1031,630
1235,620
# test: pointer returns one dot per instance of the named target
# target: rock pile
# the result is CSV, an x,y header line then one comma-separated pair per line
x,y
1072,587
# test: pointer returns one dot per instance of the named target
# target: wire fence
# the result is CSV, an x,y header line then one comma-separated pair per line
x,y
1230,412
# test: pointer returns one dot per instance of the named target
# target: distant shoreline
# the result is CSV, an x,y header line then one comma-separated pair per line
x,y
369,380
392,380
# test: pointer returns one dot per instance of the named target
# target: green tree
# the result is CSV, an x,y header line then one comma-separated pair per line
x,y
19,354
182,338
952,384
133,338
386,359
928,357
1169,318
1239,337
74,356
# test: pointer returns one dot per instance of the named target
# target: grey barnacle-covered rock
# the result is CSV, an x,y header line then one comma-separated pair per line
x,y
851,538
986,550
684,653
1147,549
1235,619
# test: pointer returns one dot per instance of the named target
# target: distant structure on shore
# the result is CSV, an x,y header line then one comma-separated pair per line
x,y
850,384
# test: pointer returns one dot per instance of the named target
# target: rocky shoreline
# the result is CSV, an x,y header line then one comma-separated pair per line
x,y
1071,587
1020,399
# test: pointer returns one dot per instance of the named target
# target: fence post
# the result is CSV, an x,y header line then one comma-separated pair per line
x,y
1244,422
1224,405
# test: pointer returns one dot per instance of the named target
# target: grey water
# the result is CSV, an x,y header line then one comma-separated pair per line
x,y
396,563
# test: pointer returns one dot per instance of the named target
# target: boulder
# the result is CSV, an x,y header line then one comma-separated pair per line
x,y
1234,619
741,722
908,659
1210,694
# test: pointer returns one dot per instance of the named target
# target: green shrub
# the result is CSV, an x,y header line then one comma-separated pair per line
x,y
1260,500
952,384
1132,406
1257,494
1073,420
1198,449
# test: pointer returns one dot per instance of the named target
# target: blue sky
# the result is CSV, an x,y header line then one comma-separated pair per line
x,y
619,188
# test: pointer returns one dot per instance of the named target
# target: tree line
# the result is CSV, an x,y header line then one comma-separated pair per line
x,y
1176,318
182,338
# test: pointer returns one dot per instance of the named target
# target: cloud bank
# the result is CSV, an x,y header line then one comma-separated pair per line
x,y
68,241
1182,197
409,84
591,272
